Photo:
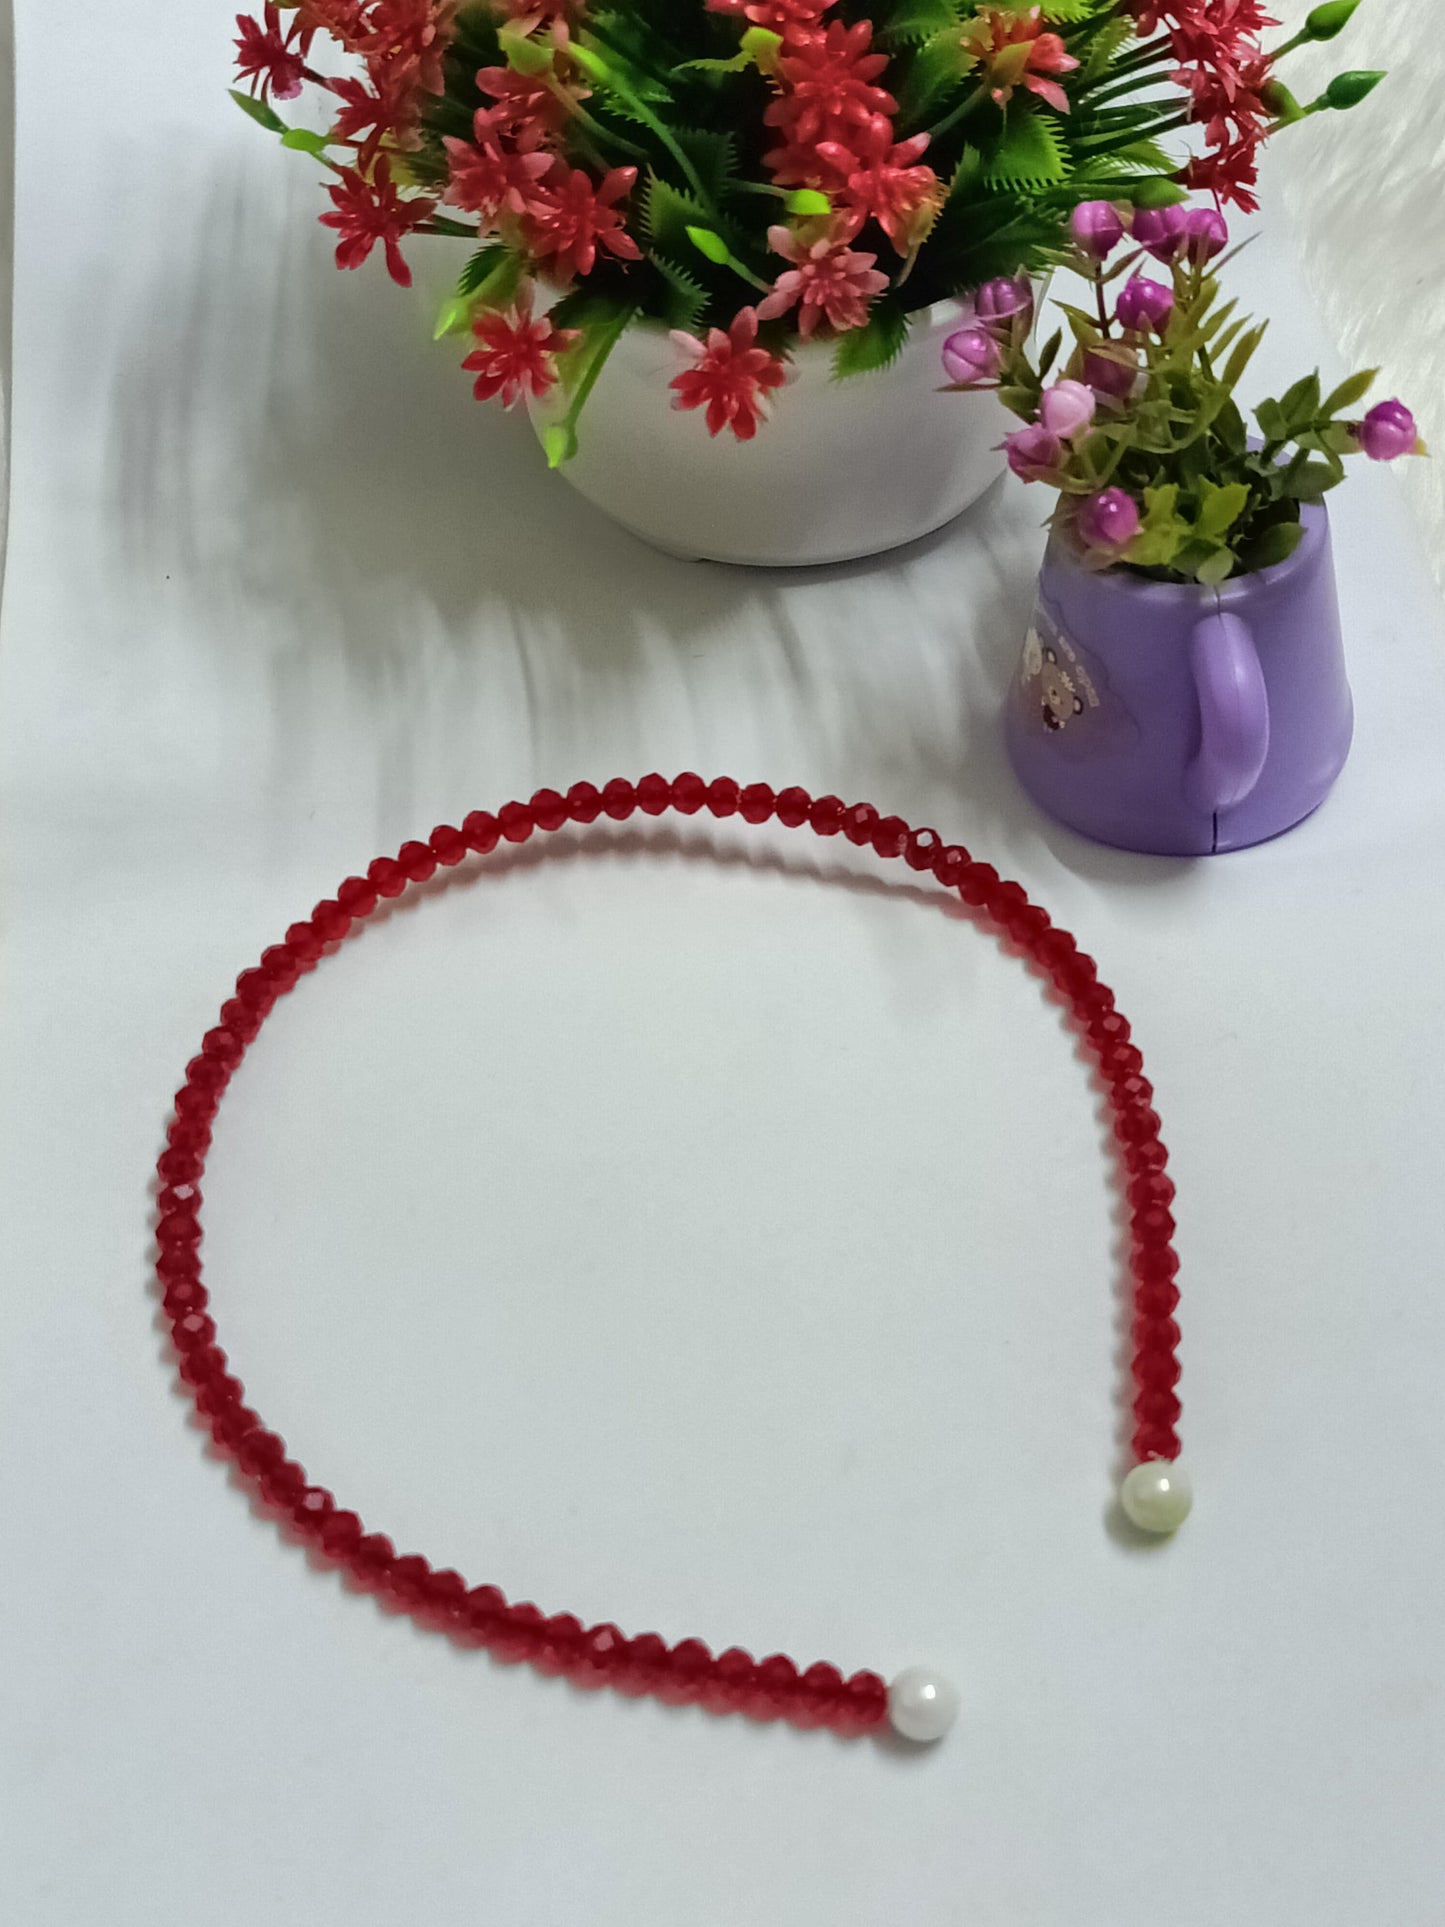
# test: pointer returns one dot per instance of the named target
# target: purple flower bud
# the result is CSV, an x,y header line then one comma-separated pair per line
x,y
1067,408
1145,304
1112,371
1096,228
1388,431
971,354
1035,454
1206,233
1160,231
1001,305
1107,521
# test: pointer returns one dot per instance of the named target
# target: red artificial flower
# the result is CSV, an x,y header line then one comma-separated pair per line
x,y
1229,174
525,16
272,60
1013,50
730,376
489,179
370,210
829,90
525,102
369,117
415,31
343,19
570,217
828,281
888,186
794,19
517,355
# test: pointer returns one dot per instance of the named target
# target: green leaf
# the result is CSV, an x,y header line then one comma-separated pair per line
x,y
667,214
1161,531
1300,404
713,156
1220,507
492,276
685,303
1029,153
1109,41
712,245
1216,568
1276,545
807,201
1049,353
1349,392
306,142
259,111
917,20
862,350
1239,359
1272,424
1157,191
1312,481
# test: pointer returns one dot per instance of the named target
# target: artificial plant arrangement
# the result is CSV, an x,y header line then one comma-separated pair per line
x,y
753,173
1155,465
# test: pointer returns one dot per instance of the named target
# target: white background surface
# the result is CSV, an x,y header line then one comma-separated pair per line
x,y
720,1249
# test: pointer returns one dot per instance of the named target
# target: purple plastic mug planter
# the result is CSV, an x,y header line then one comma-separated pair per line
x,y
1179,720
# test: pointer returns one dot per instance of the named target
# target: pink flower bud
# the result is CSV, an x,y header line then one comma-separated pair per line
x,y
971,354
1145,304
1067,408
1112,371
1206,233
1035,453
1096,228
1160,231
1006,304
1388,431
1107,521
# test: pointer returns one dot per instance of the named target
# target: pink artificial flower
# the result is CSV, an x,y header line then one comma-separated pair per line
x,y
517,355
418,31
1107,522
971,356
488,179
794,19
885,184
828,280
368,117
1067,408
370,210
730,376
525,102
1013,50
1035,453
570,217
828,89
272,60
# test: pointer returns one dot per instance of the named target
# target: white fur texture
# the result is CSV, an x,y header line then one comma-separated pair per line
x,y
1366,196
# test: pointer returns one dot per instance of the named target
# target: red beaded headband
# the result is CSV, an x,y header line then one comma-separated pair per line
x,y
920,1704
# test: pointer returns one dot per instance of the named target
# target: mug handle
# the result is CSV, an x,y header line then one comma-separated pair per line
x,y
1233,713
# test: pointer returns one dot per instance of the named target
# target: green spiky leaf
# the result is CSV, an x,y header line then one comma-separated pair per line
x,y
878,345
667,214
1030,153
686,300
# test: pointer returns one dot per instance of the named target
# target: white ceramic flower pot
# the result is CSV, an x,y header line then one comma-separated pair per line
x,y
840,469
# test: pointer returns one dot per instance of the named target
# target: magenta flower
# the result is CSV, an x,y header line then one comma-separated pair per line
x,y
827,281
1035,453
1107,521
1388,431
1160,231
971,355
1067,408
1144,304
1112,370
1006,304
1096,228
1206,233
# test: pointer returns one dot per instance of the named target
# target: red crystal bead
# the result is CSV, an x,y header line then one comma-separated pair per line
x,y
416,862
602,1658
517,1635
1146,1157
357,896
619,799
1155,1442
177,1263
1157,1408
560,1645
194,1103
921,850
779,1689
406,1581
688,1666
192,1331
312,1509
189,1134
654,794
584,802
185,1295
1153,1188
643,1667
371,1559
549,809
1132,1092
864,1703
205,1363
283,1485
305,942
949,865
224,1045
178,1198
1156,1265
977,884
689,792
1157,1371
444,1595
1139,1126
259,1452
329,919
820,1697
447,845
386,876
731,1684
757,803
240,1019
890,835
483,1611
1006,902
178,1228
1153,1226
826,815
723,796
219,1395
1108,1030
255,989
482,831
233,1425
1119,1060
793,807
1155,1331
859,821
516,821
208,1073
341,1535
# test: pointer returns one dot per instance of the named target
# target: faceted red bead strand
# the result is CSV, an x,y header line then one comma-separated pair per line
x,y
686,1673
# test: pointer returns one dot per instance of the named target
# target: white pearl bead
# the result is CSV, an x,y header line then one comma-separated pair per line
x,y
1157,1496
922,1704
